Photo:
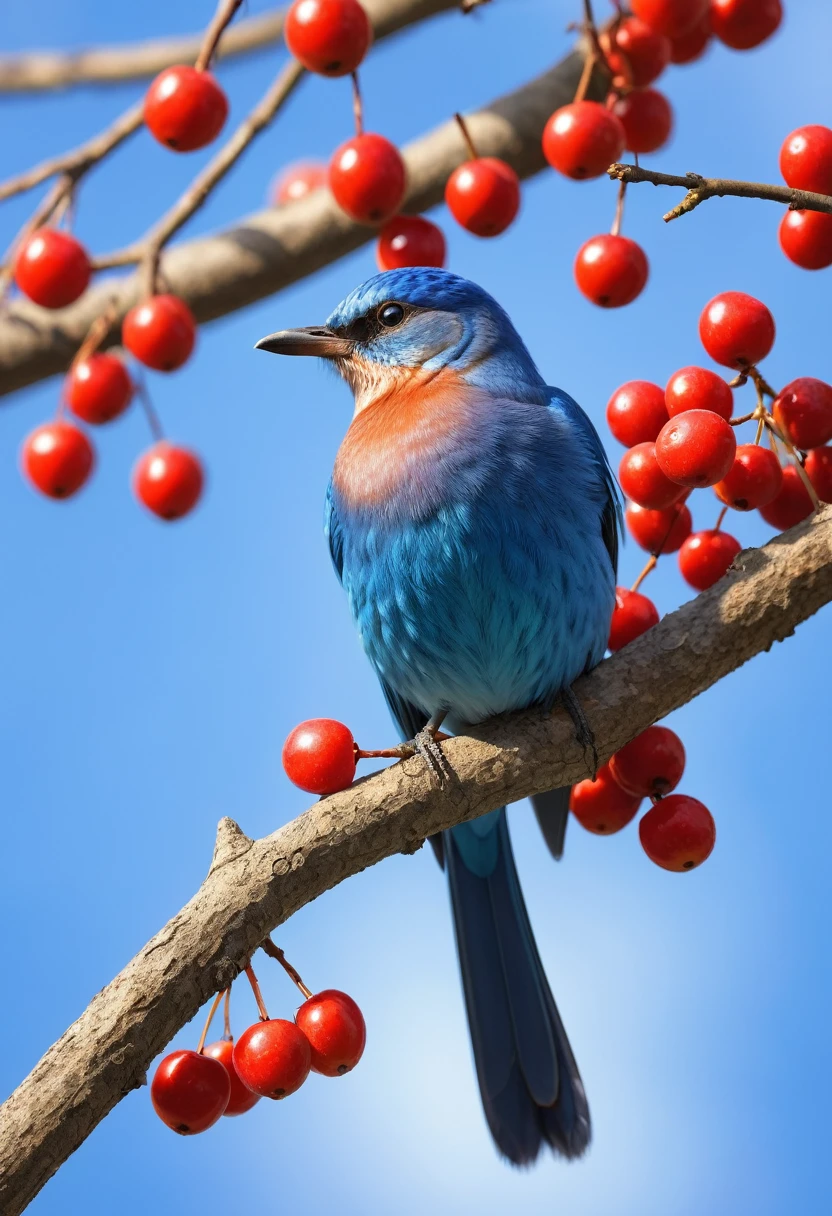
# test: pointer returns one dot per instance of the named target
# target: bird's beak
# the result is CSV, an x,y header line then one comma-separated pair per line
x,y
311,340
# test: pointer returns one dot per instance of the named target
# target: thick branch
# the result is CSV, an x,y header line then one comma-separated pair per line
x,y
269,250
253,886
40,70
701,188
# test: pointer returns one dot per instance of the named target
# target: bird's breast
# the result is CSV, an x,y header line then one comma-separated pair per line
x,y
403,444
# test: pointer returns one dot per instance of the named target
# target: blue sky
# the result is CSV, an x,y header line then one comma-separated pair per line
x,y
151,673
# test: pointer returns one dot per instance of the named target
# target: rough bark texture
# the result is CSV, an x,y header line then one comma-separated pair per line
x,y
253,886
271,249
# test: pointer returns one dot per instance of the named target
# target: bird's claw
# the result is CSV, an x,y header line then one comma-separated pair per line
x,y
583,731
426,745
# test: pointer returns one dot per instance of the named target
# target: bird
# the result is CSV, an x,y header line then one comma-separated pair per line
x,y
473,522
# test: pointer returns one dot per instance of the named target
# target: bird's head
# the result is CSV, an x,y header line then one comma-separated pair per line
x,y
416,319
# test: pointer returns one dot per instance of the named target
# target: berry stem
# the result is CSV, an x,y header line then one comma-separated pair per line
x,y
226,1016
357,105
619,210
222,18
96,333
149,411
258,996
208,1022
466,135
403,751
793,452
652,562
720,519
273,951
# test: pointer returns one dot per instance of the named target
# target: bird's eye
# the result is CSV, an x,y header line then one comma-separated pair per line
x,y
391,315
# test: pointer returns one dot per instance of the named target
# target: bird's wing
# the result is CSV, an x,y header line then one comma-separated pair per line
x,y
611,521
333,534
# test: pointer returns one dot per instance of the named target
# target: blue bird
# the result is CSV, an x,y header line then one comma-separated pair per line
x,y
473,522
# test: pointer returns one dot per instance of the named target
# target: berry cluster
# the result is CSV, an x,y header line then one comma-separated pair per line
x,y
806,164
184,109
678,831
191,1090
683,438
583,139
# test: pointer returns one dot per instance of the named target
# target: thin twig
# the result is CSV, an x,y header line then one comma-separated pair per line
x,y
273,951
78,161
222,19
701,188
149,248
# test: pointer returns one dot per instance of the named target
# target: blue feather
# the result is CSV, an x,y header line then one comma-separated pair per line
x,y
484,585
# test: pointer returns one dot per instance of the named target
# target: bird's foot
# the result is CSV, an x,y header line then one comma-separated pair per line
x,y
583,731
426,744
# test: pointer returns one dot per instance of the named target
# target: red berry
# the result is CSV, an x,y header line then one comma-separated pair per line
x,y
328,36
803,411
168,480
650,765
160,333
601,806
632,616
298,180
678,833
690,46
52,268
644,482
185,109
636,54
583,139
806,159
753,480
705,557
241,1099
806,239
670,17
334,1026
319,756
483,195
190,1092
611,270
367,178
57,458
272,1058
409,240
743,24
736,329
792,504
647,118
659,531
98,388
696,448
636,412
818,468
698,388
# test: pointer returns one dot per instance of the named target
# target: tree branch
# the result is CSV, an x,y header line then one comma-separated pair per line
x,y
701,188
267,251
39,70
255,885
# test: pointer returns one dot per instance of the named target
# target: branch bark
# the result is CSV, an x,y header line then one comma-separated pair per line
x,y
265,252
699,189
42,70
255,885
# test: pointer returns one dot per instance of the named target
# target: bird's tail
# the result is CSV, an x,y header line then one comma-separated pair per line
x,y
530,1085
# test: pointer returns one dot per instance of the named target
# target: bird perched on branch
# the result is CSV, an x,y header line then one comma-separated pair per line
x,y
473,522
